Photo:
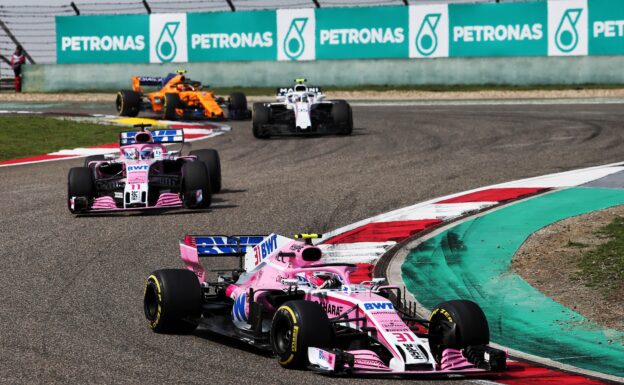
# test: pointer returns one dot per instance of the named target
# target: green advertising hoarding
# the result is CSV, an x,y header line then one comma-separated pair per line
x,y
606,27
498,29
362,32
220,36
102,39
532,28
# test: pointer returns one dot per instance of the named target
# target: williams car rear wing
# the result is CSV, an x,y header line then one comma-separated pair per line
x,y
157,136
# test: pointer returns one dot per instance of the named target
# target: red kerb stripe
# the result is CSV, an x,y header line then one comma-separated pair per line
x,y
383,231
495,195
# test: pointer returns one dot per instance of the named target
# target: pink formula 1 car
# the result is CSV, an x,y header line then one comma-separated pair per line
x,y
311,315
145,175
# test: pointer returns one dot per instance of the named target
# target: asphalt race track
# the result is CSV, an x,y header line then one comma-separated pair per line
x,y
71,301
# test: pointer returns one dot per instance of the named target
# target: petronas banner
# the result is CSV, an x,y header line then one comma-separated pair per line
x,y
532,28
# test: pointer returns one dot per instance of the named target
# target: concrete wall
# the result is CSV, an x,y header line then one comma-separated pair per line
x,y
444,71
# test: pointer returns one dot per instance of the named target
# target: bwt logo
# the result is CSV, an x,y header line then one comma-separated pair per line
x,y
138,168
378,306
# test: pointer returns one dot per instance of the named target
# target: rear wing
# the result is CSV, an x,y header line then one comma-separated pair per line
x,y
221,245
282,91
157,136
250,249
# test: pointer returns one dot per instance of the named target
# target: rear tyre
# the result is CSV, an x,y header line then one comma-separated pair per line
x,y
128,103
196,191
237,106
261,116
296,326
171,103
81,186
213,164
343,117
457,324
172,297
93,158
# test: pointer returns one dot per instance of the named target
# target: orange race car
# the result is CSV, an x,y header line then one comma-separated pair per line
x,y
179,98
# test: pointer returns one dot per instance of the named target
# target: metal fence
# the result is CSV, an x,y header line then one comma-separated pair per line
x,y
33,26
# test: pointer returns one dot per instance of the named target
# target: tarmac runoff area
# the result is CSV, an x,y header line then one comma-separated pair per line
x,y
73,311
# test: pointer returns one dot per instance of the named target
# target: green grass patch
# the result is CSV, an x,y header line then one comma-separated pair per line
x,y
577,244
22,136
603,267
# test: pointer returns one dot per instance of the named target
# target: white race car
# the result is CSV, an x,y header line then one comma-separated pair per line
x,y
301,110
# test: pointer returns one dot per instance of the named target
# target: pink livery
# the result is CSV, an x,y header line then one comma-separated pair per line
x,y
145,175
283,298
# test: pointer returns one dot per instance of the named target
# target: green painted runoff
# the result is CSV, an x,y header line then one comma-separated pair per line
x,y
473,261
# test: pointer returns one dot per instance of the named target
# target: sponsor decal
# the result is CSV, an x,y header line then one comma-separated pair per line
x,y
369,362
414,351
141,167
296,34
331,309
103,43
350,36
238,310
168,38
567,27
233,40
501,32
378,306
266,247
428,31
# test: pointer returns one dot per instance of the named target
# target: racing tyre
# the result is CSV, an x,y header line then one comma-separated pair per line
x,y
343,116
172,101
128,103
261,115
457,324
80,184
213,164
196,189
298,325
172,297
92,158
237,106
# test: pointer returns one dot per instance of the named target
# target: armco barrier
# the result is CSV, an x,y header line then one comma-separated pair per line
x,y
444,71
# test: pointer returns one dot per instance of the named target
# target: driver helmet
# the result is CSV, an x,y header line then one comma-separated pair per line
x,y
131,154
324,280
147,153
184,87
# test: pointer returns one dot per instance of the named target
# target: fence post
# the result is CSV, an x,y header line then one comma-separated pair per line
x,y
15,41
75,8
316,3
231,4
147,7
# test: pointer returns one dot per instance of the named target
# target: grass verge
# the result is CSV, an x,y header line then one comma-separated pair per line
x,y
22,136
603,267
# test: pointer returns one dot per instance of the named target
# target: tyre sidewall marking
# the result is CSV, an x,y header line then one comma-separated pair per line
x,y
154,324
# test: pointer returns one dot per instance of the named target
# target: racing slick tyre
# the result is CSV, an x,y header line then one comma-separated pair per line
x,y
298,325
171,298
92,158
171,102
237,106
128,103
261,115
213,164
343,116
196,191
457,324
81,186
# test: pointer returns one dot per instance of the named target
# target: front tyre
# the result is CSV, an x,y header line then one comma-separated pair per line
x,y
237,106
343,117
298,325
81,188
172,298
261,116
128,103
171,103
457,324
213,163
196,190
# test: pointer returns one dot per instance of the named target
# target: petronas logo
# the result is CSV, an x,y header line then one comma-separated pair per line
x,y
427,38
294,44
567,37
166,47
